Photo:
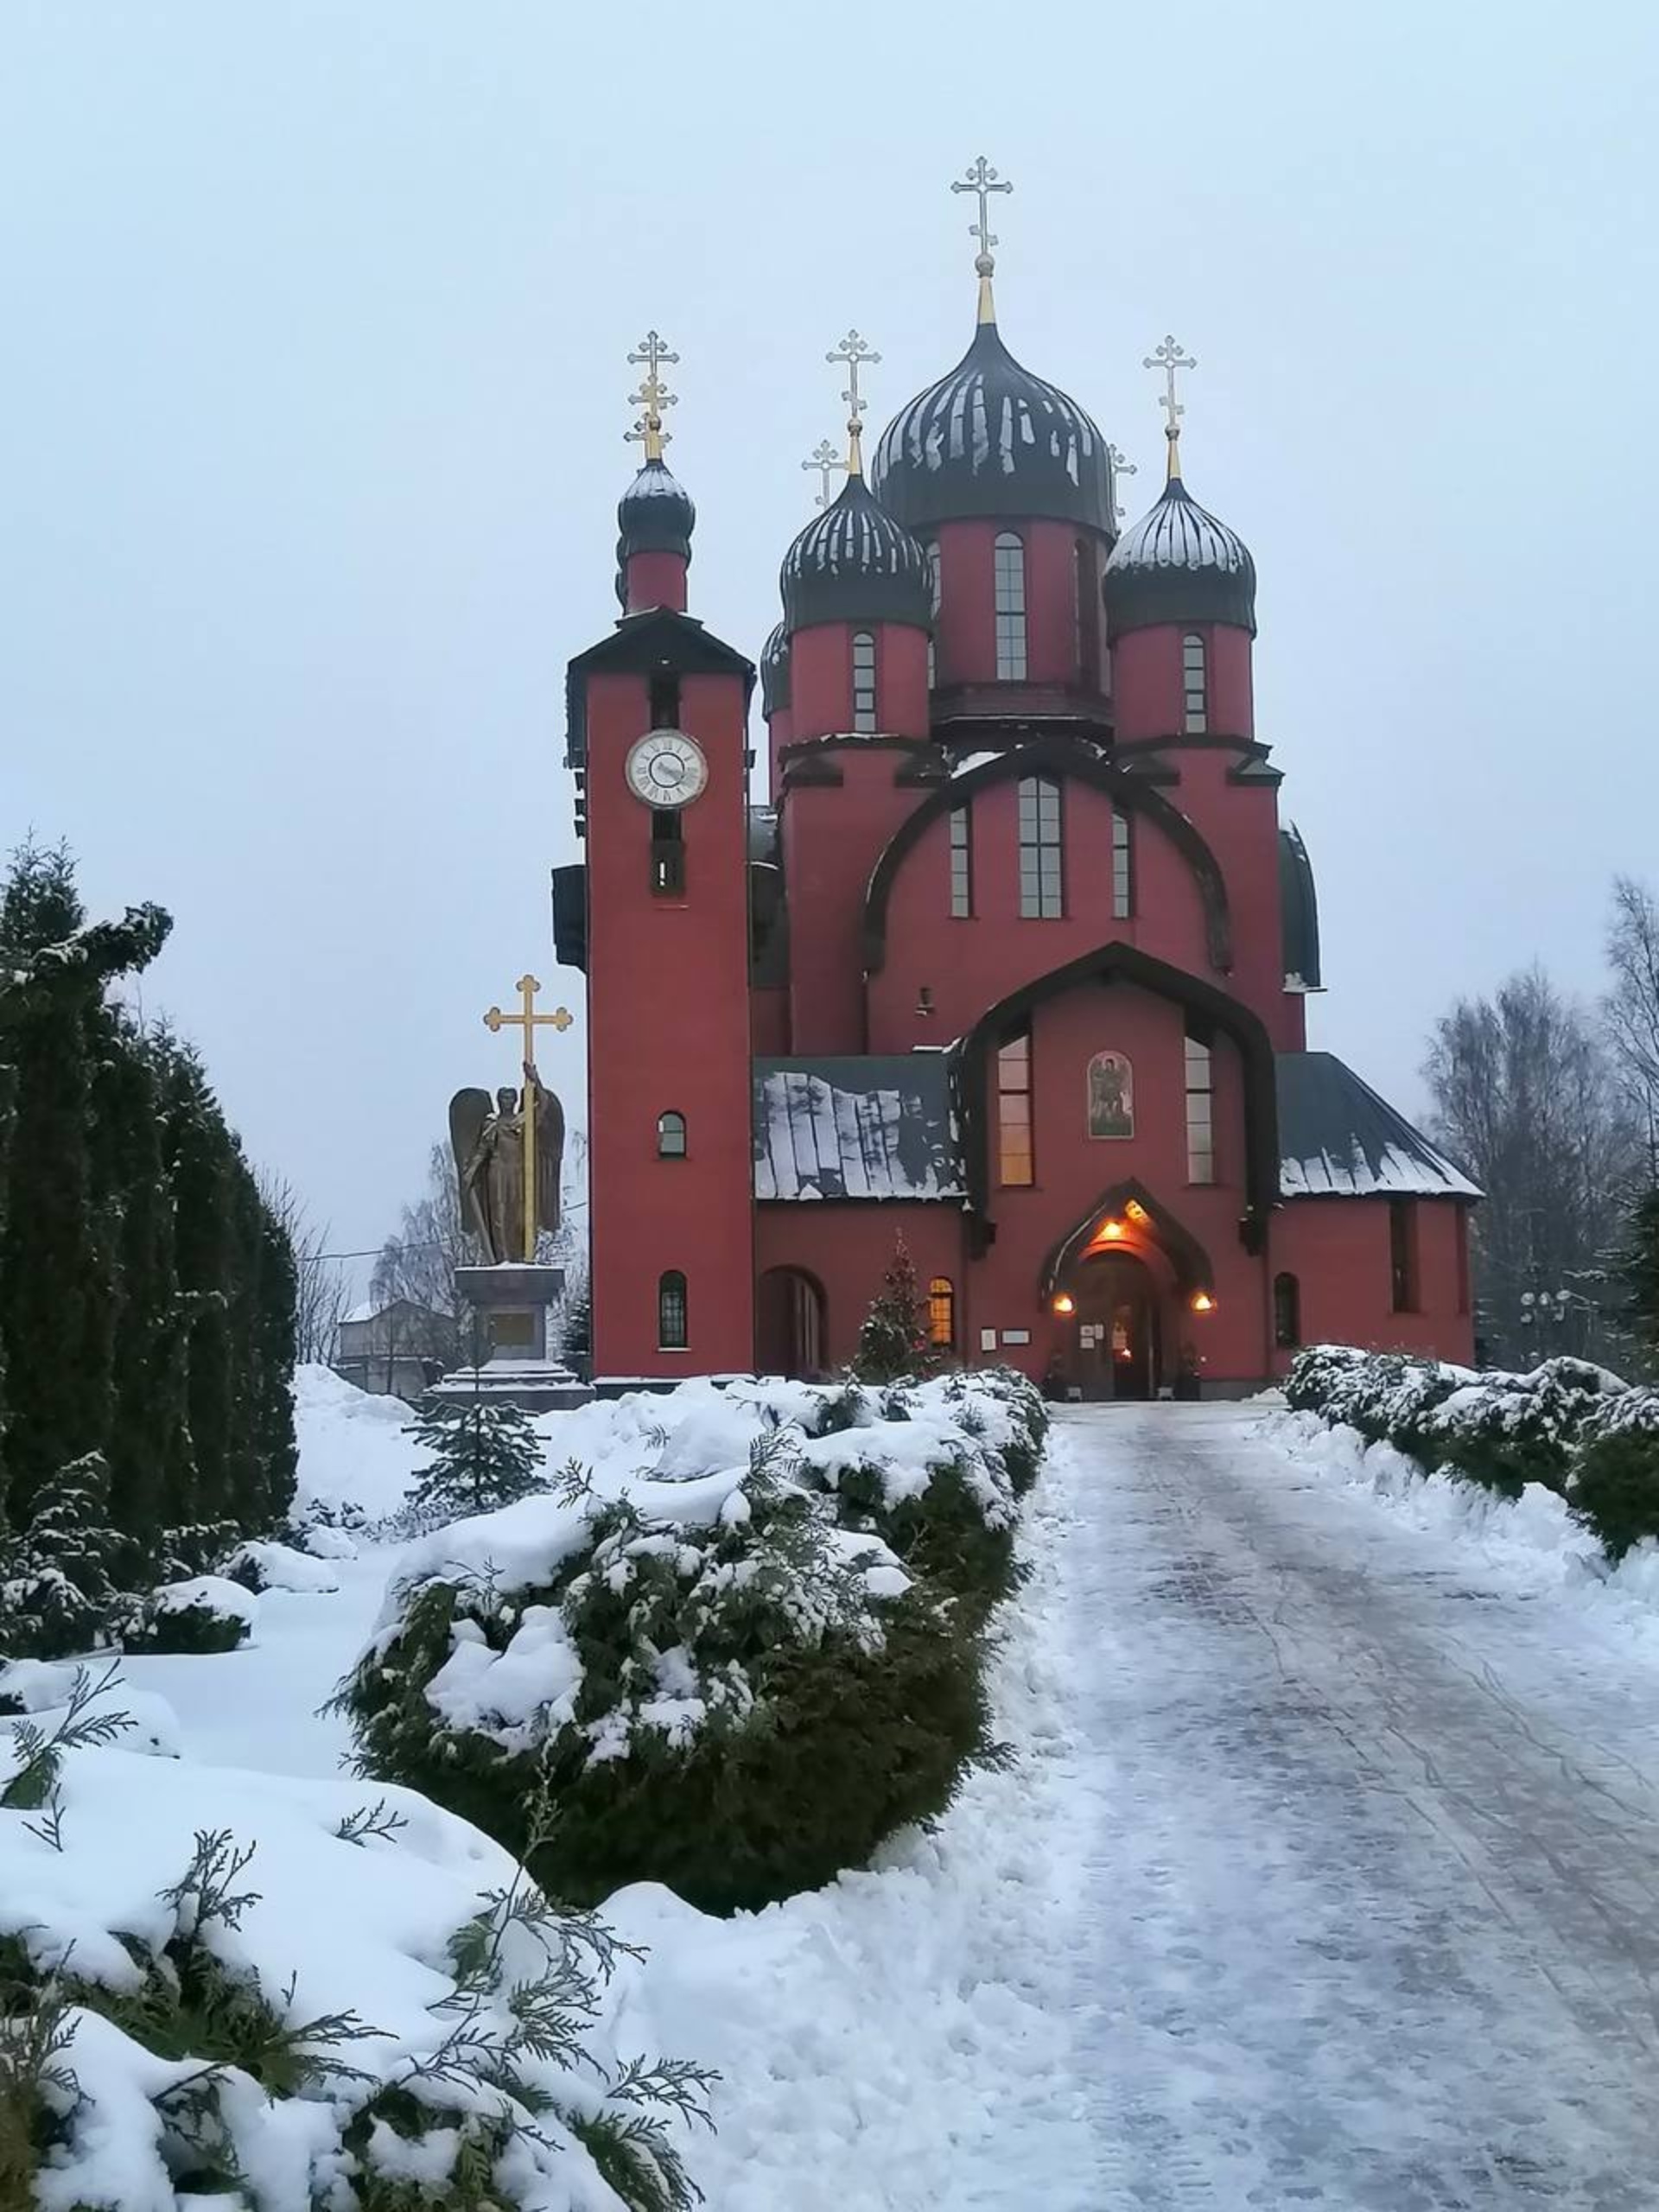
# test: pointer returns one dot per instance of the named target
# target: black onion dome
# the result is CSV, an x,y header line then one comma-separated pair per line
x,y
1179,564
853,563
774,672
991,439
655,514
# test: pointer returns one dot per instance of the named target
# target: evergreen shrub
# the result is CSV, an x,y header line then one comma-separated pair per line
x,y
205,1614
1615,1487
734,1681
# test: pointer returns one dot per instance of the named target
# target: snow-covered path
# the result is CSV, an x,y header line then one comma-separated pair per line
x,y
1367,1914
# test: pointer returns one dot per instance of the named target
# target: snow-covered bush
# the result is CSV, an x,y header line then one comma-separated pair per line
x,y
208,1613
1498,1429
1615,1486
715,1661
261,1566
217,1986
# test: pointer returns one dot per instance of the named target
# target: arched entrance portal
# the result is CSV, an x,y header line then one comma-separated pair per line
x,y
789,1324
1119,1351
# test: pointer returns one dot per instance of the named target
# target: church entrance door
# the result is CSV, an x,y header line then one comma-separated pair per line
x,y
789,1324
1118,1347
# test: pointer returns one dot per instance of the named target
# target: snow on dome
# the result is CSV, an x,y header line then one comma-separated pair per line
x,y
992,439
1179,563
855,563
774,672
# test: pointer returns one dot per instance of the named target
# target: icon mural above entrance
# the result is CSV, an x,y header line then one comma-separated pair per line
x,y
1111,1096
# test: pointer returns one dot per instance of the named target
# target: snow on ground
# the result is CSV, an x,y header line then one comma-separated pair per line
x,y
355,1448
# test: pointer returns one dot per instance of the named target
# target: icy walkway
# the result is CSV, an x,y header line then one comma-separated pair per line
x,y
1368,1911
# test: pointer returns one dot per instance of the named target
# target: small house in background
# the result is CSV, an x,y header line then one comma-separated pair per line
x,y
397,1349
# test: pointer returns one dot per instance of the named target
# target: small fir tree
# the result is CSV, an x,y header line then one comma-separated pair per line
x,y
1641,1272
485,1454
892,1342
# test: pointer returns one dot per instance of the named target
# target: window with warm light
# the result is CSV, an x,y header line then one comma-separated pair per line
x,y
1287,1312
1122,866
671,1136
863,680
1015,1161
941,1313
1200,1112
673,1313
1195,686
1010,559
1041,884
962,862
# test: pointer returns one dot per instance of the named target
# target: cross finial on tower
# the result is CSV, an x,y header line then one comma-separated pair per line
x,y
652,396
1168,357
1121,465
853,353
982,179
825,460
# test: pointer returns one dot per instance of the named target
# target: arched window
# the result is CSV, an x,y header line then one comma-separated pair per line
x,y
863,680
673,1327
1015,1165
1087,614
1195,684
941,1313
935,595
1042,889
1287,1312
1122,866
1010,608
671,1136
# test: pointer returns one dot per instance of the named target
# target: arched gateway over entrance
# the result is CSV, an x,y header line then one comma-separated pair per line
x,y
789,1324
1119,1328
1122,1279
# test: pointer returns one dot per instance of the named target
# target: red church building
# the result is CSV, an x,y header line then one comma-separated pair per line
x,y
1012,960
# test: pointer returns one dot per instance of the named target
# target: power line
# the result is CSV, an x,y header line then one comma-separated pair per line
x,y
430,1244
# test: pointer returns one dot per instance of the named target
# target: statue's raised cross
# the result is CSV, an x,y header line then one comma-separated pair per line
x,y
652,396
1168,357
982,179
530,1021
1121,465
852,353
825,460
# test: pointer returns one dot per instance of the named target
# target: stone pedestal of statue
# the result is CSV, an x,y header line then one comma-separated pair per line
x,y
510,1304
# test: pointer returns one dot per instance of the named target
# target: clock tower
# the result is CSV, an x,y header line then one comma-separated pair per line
x,y
659,739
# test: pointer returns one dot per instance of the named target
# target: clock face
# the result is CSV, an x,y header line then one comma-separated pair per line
x,y
666,768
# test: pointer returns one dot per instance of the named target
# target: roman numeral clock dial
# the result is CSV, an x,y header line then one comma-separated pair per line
x,y
666,768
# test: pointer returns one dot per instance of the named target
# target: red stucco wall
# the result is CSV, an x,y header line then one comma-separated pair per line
x,y
1337,1248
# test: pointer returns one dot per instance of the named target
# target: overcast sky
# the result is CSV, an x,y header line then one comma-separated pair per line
x,y
312,389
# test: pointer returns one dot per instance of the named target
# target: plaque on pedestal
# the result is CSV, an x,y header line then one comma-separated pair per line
x,y
511,1304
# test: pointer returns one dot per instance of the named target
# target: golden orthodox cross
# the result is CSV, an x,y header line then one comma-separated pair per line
x,y
1121,465
823,458
853,353
530,1021
652,396
982,179
1168,357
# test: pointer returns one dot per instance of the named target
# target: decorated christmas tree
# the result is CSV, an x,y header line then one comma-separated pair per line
x,y
485,1454
892,1343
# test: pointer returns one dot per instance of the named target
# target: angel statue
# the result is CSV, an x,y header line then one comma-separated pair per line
x,y
489,1148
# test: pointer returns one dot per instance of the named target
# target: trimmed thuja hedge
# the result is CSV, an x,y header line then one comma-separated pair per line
x,y
741,1644
1567,1424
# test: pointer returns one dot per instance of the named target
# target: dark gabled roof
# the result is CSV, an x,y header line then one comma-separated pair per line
x,y
658,641
1337,1139
878,1126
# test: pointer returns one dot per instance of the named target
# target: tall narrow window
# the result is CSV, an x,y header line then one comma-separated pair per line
x,y
1015,1163
941,1313
962,861
1122,866
1087,614
1010,608
1041,887
935,594
671,1136
667,853
863,680
1200,1112
665,699
1287,1312
1403,1254
1195,684
673,1330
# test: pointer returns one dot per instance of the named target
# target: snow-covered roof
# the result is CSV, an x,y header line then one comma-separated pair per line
x,y
1180,563
854,563
1337,1139
873,1127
